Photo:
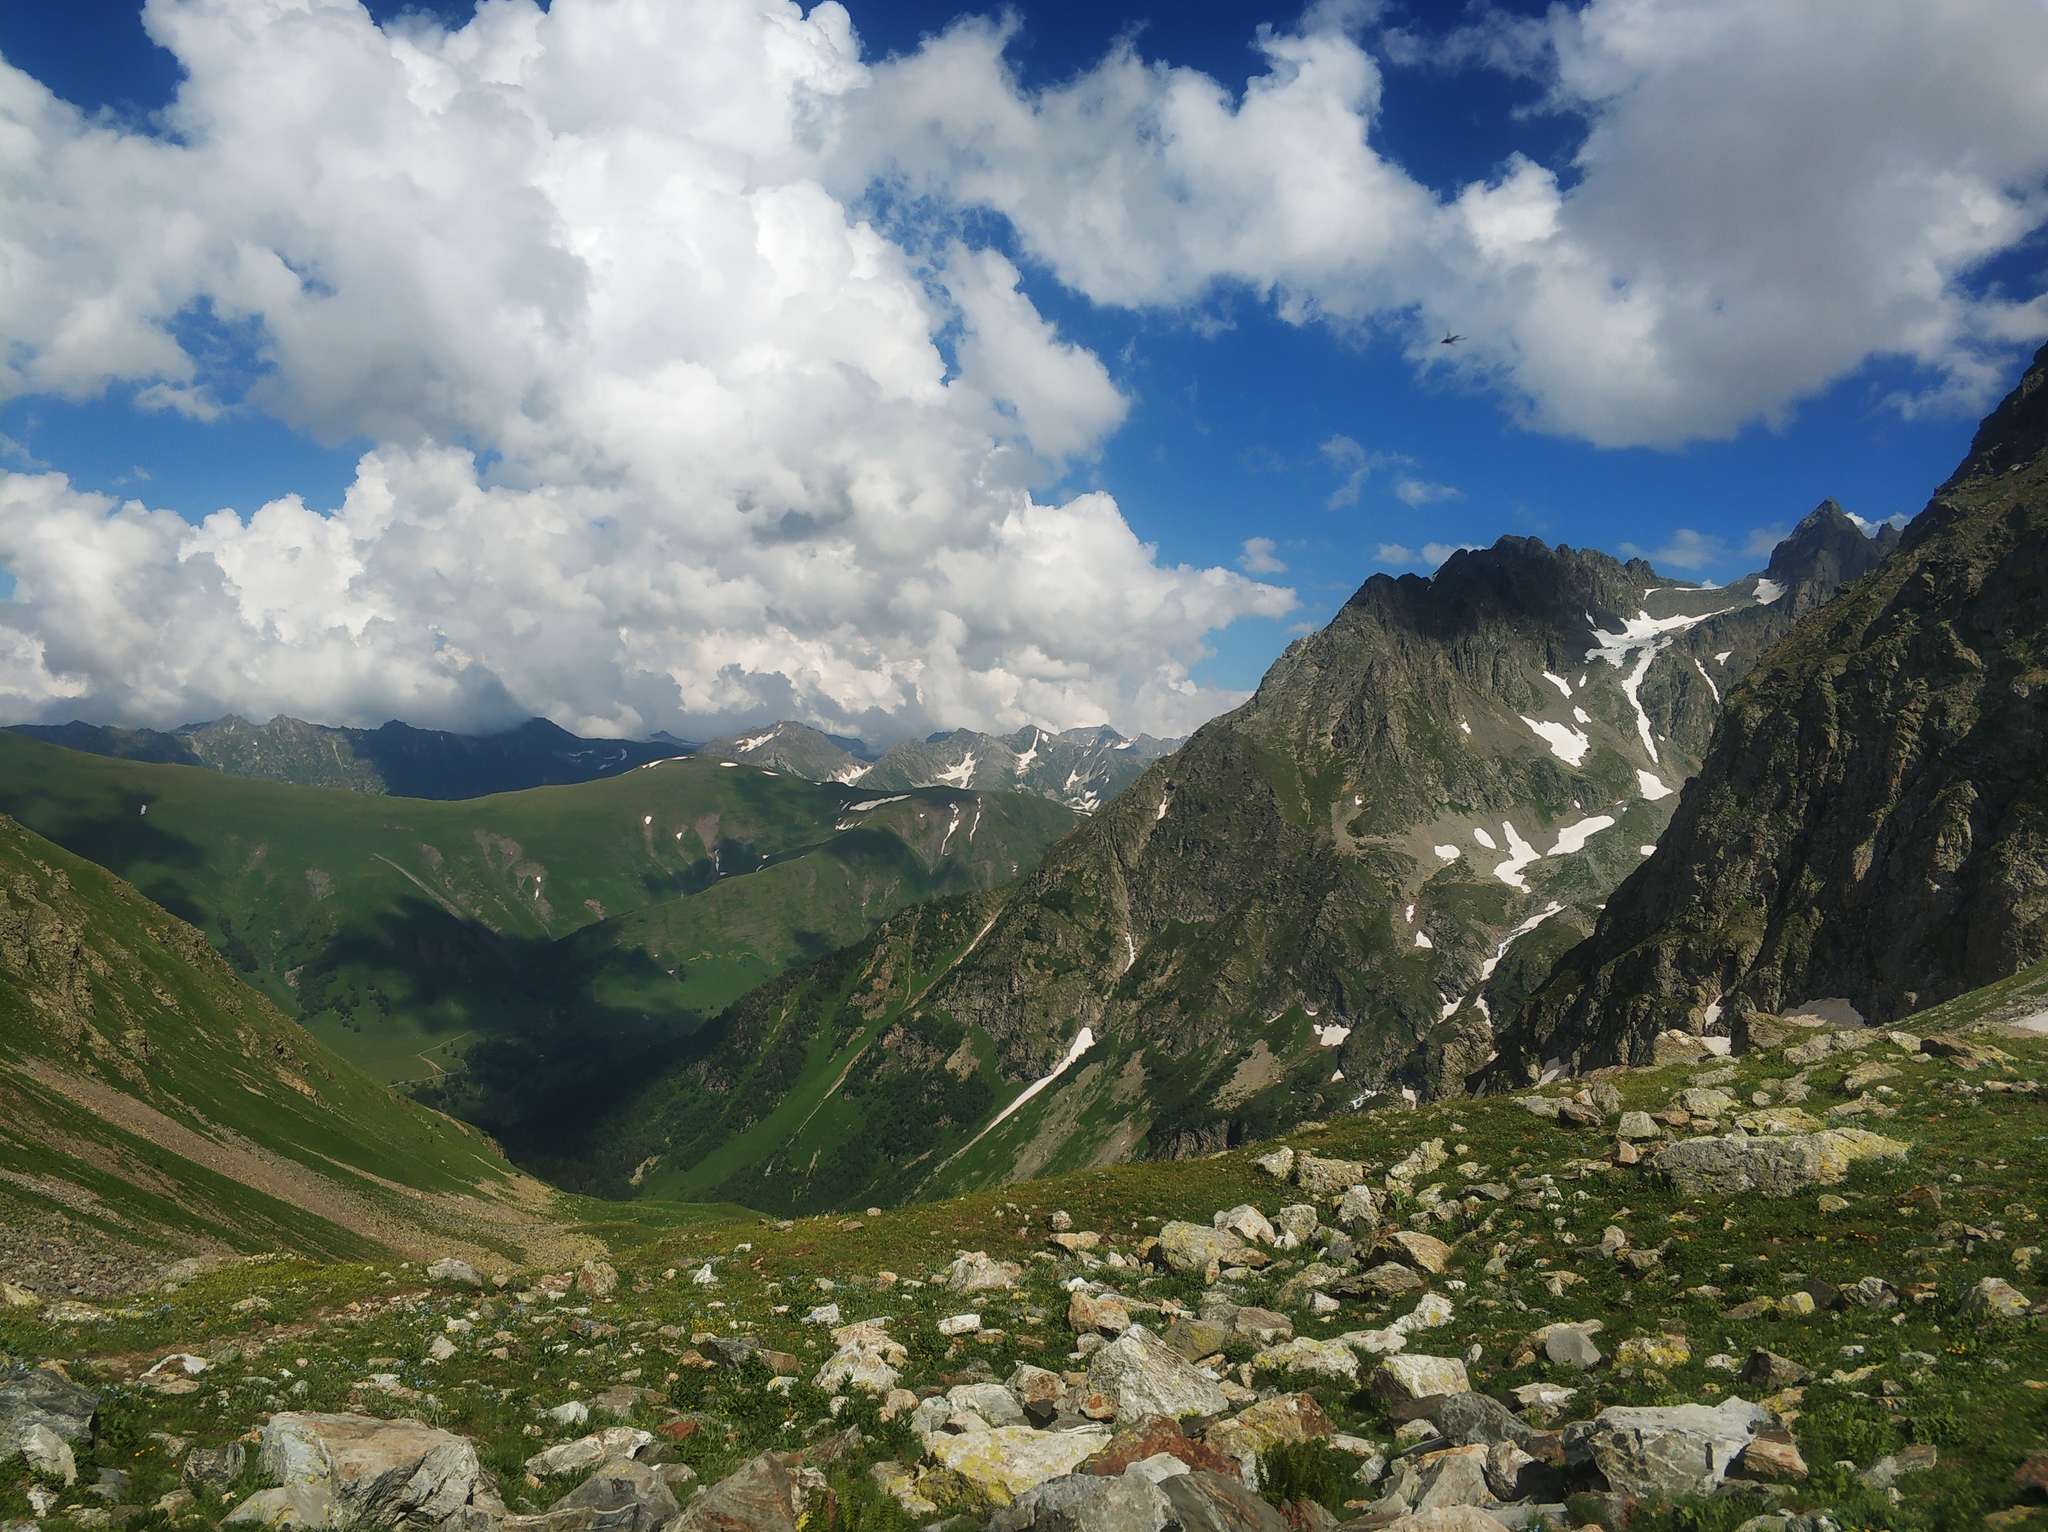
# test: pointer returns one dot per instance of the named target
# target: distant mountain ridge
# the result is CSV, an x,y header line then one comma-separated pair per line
x,y
1327,893
1870,823
396,759
1081,768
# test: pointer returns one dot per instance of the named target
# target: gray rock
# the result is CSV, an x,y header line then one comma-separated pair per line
x,y
1474,1417
48,1453
46,1399
1994,1298
1322,1178
1569,1346
993,1402
1147,1377
759,1496
450,1269
1190,1247
1212,1502
1129,1502
378,1472
1665,1453
626,1497
292,1508
1780,1166
215,1468
1888,1470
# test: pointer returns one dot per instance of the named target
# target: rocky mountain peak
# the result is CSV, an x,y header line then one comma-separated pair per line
x,y
1828,548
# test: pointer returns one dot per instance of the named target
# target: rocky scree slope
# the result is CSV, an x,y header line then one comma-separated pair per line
x,y
1330,891
396,759
157,1109
1476,1316
1870,823
1081,768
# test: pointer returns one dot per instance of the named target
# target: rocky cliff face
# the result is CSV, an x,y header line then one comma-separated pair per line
x,y
1871,819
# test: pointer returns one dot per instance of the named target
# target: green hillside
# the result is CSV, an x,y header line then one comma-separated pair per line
x,y
586,921
158,1108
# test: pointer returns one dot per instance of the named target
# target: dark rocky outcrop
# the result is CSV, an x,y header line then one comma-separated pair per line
x,y
1871,819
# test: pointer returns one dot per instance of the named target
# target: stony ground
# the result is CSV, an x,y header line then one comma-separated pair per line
x,y
1524,1310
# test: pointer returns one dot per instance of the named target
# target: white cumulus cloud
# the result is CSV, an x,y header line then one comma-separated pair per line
x,y
740,453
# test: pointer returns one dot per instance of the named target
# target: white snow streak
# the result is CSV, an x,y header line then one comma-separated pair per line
x,y
1560,683
1647,850
1446,853
1485,840
1486,968
1652,785
874,803
1422,940
1573,838
1566,743
1581,715
1083,1041
1696,665
1520,855
744,745
960,775
1330,1036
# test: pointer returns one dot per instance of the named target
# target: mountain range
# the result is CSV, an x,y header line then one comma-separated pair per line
x,y
1081,768
1323,897
396,759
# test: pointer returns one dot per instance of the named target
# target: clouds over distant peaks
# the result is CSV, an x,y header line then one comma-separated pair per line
x,y
696,399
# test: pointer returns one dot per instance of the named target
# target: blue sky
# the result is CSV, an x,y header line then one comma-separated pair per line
x,y
1321,435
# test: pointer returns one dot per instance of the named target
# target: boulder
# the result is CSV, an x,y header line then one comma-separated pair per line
x,y
1773,1457
1634,1127
1197,1338
1105,1315
1704,1101
974,1272
1323,1179
1144,1376
1190,1247
1327,1359
596,1279
1001,1464
1423,1251
1087,1503
1663,1352
1414,1376
614,1442
1888,1470
1470,1419
1774,1167
1359,1205
1456,1518
1036,1391
1571,1346
1994,1298
48,1453
375,1473
1298,1222
1767,1372
1665,1452
1214,1502
1260,1326
623,1496
292,1509
449,1269
1152,1438
47,1400
1279,1164
215,1468
1245,1438
759,1496
1450,1476
1389,1279
867,1359
993,1402
1247,1222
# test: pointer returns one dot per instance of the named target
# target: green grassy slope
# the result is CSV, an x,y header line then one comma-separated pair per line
x,y
404,932
157,1104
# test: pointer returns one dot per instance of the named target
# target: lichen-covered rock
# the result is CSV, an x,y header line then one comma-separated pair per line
x,y
1144,1376
1327,1359
1003,1463
1994,1298
1773,1167
1660,1351
565,1458
1322,1179
1190,1247
1259,1428
1279,1164
867,1359
1087,1315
